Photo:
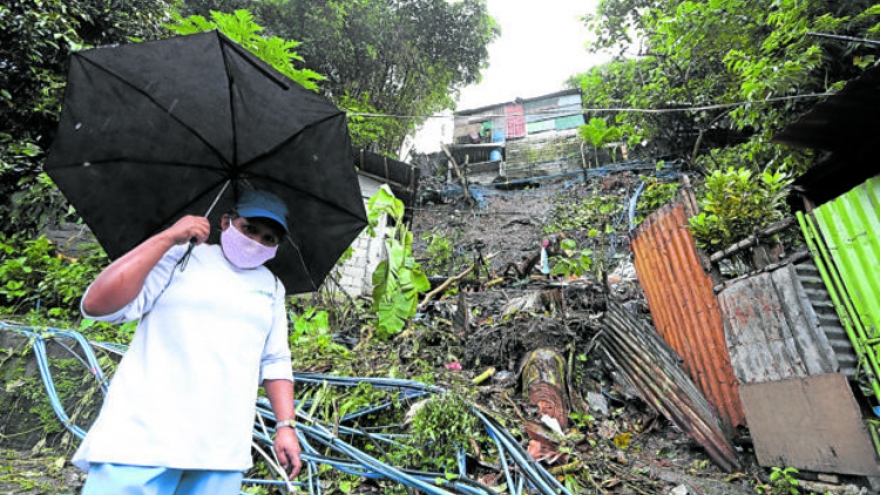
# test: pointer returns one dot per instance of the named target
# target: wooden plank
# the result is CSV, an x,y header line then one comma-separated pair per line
x,y
811,423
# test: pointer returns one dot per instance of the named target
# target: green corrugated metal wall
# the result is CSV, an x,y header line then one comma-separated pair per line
x,y
850,227
843,237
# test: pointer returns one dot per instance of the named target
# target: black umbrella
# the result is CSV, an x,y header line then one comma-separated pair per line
x,y
150,132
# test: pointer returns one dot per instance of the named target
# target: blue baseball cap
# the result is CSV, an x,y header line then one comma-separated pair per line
x,y
262,204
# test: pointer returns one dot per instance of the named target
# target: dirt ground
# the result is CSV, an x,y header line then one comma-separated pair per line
x,y
506,229
498,315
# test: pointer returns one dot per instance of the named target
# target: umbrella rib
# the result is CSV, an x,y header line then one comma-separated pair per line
x,y
302,261
116,160
246,55
230,81
157,104
287,185
243,167
183,208
285,142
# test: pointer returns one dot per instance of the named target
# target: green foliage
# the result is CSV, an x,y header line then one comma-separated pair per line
x,y
36,39
311,331
366,131
441,252
655,194
67,377
589,214
398,279
392,57
106,332
34,277
34,201
574,263
333,404
781,482
706,53
736,203
241,28
441,427
598,134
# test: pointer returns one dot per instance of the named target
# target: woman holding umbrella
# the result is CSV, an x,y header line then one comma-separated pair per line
x,y
213,326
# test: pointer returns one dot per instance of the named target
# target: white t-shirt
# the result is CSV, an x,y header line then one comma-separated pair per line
x,y
184,394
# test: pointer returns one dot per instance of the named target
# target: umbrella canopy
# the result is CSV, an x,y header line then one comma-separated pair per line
x,y
150,132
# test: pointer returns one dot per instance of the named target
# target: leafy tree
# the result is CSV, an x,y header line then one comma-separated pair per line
x,y
679,54
241,28
395,57
36,38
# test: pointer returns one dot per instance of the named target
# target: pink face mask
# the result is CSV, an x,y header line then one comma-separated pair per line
x,y
242,251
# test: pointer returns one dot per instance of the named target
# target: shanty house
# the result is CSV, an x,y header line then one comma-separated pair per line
x,y
787,352
519,139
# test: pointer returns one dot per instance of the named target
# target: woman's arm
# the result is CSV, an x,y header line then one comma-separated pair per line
x,y
121,282
287,448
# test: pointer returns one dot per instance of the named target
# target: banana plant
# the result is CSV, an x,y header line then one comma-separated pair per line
x,y
398,279
598,133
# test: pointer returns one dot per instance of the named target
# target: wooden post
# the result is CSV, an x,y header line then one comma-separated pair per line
x,y
464,186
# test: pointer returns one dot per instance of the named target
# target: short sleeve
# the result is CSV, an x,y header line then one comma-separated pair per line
x,y
157,280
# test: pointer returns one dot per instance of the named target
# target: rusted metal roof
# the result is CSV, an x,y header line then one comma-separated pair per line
x,y
773,332
683,304
516,121
654,368
401,177
840,121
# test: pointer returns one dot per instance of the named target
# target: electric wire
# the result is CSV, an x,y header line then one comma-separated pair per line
x,y
683,109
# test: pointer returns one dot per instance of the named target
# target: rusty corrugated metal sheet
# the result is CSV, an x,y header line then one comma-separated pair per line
x,y
684,306
772,331
653,367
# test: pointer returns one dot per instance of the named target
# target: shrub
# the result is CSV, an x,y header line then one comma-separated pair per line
x,y
34,276
735,204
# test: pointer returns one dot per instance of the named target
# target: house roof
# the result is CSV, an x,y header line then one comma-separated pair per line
x,y
841,120
474,111
846,126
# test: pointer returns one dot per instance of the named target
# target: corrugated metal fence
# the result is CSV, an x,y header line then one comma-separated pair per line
x,y
683,304
842,235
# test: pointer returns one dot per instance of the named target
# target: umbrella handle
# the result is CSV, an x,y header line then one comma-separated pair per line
x,y
185,259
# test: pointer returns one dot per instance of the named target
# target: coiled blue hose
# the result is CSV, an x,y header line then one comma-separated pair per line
x,y
520,470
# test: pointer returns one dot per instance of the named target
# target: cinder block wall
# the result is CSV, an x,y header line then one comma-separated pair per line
x,y
544,154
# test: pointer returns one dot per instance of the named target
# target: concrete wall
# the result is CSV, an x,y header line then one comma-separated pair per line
x,y
548,153
355,275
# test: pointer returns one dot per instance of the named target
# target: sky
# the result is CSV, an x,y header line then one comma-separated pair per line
x,y
541,45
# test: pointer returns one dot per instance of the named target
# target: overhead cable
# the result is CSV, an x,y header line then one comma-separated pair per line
x,y
697,108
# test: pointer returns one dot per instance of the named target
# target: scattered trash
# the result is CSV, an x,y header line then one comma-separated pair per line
x,y
679,490
598,403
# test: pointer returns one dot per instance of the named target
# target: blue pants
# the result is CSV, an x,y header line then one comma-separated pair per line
x,y
120,479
